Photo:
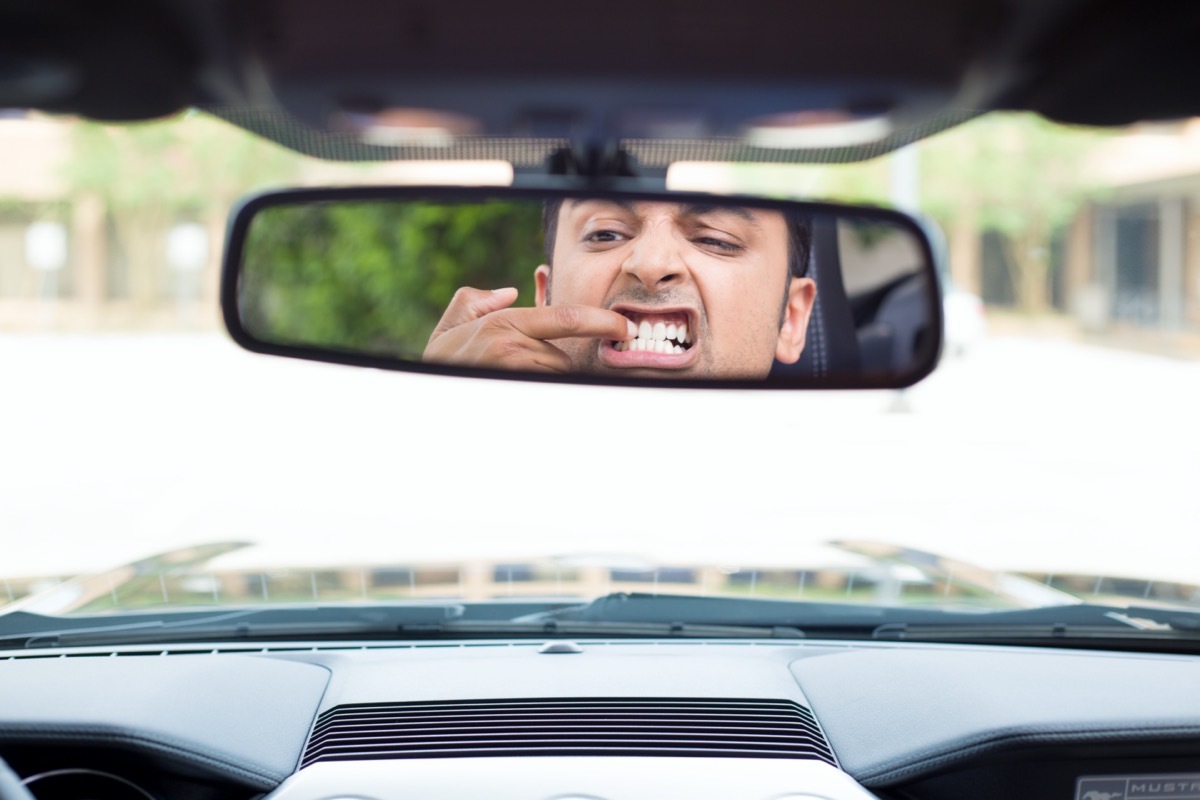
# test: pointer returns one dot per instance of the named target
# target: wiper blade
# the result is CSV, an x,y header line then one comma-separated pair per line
x,y
26,629
816,618
1053,635
387,624
618,615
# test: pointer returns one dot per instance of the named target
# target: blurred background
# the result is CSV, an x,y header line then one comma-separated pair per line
x,y
119,228
1058,439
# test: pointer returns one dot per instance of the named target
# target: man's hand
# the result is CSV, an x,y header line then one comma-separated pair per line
x,y
480,330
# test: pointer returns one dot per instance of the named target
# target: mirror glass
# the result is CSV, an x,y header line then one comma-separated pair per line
x,y
621,288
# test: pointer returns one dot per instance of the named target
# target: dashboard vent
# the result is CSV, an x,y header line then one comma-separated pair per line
x,y
577,727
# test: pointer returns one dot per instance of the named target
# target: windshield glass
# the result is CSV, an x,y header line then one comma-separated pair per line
x,y
1050,459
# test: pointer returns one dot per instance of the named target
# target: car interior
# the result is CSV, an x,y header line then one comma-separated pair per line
x,y
582,101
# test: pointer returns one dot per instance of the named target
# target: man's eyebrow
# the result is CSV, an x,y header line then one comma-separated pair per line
x,y
625,205
692,210
704,209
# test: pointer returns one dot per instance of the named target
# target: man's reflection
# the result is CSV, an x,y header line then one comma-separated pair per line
x,y
646,289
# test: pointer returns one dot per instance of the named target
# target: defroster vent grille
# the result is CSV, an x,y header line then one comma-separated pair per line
x,y
564,726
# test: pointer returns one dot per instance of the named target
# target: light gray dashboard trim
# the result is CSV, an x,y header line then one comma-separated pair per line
x,y
240,717
899,713
686,669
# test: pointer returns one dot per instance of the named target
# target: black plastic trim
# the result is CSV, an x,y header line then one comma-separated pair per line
x,y
592,726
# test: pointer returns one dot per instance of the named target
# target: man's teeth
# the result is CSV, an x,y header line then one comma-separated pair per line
x,y
652,345
657,338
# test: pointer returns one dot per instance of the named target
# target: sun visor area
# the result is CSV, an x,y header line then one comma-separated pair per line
x,y
651,155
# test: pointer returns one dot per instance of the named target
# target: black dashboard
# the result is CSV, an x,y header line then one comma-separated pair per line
x,y
611,718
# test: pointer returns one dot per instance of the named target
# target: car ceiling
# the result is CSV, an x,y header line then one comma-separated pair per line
x,y
671,80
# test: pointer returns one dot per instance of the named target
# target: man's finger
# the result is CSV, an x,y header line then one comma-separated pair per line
x,y
512,350
469,304
569,321
548,358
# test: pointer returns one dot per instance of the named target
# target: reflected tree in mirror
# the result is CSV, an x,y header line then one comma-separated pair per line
x,y
377,276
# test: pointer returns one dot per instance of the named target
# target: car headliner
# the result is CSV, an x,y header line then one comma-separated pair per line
x,y
561,72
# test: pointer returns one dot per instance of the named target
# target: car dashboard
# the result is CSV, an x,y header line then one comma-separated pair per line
x,y
599,719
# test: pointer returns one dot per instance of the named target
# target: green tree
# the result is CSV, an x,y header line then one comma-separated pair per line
x,y
150,174
1018,175
375,277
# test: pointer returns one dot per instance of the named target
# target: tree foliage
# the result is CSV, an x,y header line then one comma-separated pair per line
x,y
150,175
189,164
375,277
1018,175
1012,172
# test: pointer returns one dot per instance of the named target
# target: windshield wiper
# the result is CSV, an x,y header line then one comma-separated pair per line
x,y
27,629
384,623
1006,630
616,615
857,620
1156,638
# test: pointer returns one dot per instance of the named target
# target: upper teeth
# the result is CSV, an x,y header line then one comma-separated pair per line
x,y
659,337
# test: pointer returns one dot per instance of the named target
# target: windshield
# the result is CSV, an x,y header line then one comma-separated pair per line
x,y
1050,459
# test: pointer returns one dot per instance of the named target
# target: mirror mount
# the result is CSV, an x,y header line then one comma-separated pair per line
x,y
601,165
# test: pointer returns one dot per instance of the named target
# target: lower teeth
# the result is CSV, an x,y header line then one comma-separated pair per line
x,y
649,345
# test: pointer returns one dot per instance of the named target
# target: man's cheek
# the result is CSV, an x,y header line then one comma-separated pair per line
x,y
572,288
576,350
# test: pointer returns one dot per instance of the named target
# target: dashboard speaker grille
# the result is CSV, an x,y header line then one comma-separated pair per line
x,y
564,726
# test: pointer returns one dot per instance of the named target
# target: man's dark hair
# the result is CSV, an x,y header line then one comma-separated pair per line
x,y
799,237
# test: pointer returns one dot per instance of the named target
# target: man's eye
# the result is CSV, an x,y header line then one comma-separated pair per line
x,y
603,237
718,244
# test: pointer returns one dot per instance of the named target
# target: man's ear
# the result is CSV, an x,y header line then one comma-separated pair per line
x,y
541,282
802,293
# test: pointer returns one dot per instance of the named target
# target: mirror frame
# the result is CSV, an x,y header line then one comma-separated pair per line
x,y
244,212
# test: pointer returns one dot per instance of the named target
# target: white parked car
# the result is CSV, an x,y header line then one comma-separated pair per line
x,y
965,320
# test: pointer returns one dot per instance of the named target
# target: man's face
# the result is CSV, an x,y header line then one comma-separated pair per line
x,y
707,286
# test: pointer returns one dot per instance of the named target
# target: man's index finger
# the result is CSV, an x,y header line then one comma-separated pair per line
x,y
570,321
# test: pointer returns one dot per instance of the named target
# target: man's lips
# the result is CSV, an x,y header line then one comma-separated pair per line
x,y
665,340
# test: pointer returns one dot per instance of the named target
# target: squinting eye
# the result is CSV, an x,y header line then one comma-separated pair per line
x,y
719,244
603,236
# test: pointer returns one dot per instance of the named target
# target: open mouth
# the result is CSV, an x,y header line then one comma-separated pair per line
x,y
666,340
658,333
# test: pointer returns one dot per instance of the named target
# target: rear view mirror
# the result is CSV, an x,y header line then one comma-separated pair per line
x,y
626,288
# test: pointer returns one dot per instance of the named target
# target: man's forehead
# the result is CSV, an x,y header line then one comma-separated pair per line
x,y
641,208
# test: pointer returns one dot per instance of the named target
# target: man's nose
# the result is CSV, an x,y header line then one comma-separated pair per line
x,y
656,258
